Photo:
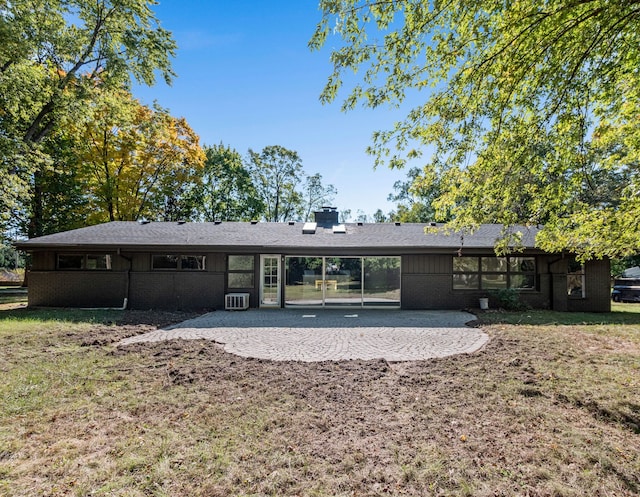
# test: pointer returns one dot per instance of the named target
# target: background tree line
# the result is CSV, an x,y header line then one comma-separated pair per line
x,y
77,148
121,160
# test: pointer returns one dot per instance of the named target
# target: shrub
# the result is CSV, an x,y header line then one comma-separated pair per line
x,y
509,299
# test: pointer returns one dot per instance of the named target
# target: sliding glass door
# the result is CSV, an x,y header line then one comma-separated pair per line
x,y
342,281
304,281
381,282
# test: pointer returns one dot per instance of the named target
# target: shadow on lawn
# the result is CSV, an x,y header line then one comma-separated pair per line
x,y
98,316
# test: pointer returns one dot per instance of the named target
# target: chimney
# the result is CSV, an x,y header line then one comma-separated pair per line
x,y
327,217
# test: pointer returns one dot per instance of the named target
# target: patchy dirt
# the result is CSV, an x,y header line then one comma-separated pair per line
x,y
540,411
132,323
502,415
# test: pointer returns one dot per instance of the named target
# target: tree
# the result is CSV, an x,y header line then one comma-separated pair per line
x,y
135,161
316,195
380,217
63,199
227,192
345,215
361,216
276,174
53,55
414,198
518,98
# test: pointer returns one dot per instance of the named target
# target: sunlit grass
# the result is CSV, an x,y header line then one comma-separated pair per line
x,y
620,314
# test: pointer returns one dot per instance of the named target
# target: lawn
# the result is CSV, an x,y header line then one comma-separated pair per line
x,y
12,296
551,407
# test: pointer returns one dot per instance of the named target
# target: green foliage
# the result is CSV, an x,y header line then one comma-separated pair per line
x,y
10,258
316,195
380,217
134,161
53,56
529,107
227,192
277,172
415,198
619,265
509,299
62,202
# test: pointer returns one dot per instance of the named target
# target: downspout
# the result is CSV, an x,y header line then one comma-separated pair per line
x,y
128,281
549,264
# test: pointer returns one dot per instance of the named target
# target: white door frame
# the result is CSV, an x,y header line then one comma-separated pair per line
x,y
278,300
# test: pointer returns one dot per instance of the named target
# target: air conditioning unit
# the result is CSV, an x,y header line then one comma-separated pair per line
x,y
236,301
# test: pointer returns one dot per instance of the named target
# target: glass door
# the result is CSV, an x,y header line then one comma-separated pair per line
x,y
343,281
381,282
304,284
270,281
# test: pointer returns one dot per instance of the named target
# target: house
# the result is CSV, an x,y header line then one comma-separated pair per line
x,y
178,265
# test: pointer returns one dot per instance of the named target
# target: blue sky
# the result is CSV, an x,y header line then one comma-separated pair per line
x,y
247,79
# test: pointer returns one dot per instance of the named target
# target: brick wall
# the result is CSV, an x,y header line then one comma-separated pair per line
x,y
76,288
427,284
176,290
597,288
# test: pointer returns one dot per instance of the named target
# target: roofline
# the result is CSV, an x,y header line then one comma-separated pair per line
x,y
271,249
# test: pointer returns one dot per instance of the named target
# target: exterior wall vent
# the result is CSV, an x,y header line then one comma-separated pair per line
x,y
143,221
309,228
340,228
397,223
360,223
236,301
217,221
292,223
432,224
181,222
254,221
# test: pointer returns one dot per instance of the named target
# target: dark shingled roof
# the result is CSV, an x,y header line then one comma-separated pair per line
x,y
272,237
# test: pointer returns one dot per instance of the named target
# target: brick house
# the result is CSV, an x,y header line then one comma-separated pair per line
x,y
169,265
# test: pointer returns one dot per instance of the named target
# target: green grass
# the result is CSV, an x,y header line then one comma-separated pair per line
x,y
551,406
620,314
48,316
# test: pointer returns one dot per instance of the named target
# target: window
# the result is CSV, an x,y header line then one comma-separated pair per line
x,y
192,262
70,261
466,273
164,262
491,273
178,262
240,271
522,273
84,261
575,280
99,261
494,273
